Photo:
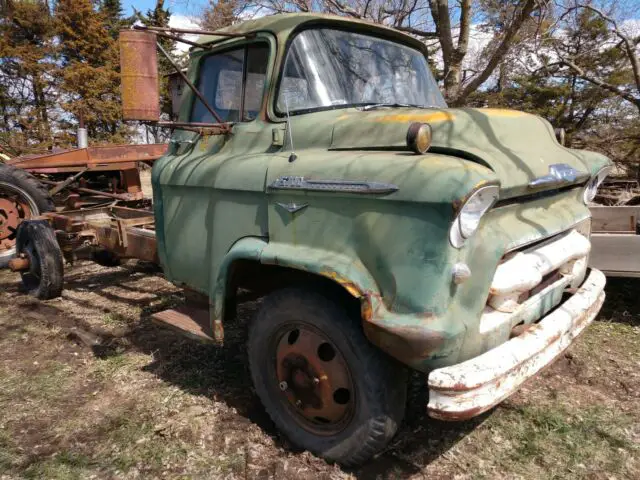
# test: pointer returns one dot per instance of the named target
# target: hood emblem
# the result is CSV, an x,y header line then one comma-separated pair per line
x,y
559,174
292,207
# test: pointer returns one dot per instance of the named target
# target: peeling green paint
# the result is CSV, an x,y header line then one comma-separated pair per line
x,y
213,205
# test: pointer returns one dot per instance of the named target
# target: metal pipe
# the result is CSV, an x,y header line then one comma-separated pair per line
x,y
83,138
191,85
19,264
192,31
62,185
117,196
180,39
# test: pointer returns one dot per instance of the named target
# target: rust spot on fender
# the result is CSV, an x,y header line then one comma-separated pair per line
x,y
408,344
456,416
347,284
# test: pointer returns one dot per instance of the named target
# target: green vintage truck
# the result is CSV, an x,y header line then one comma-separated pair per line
x,y
316,162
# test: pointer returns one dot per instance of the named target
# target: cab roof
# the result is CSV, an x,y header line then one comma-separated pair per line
x,y
284,23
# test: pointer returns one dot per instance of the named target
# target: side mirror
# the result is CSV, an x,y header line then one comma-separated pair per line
x,y
140,86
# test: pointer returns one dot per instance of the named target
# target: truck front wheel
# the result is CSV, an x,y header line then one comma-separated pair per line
x,y
322,383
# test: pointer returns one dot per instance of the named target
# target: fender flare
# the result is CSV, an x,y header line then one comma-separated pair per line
x,y
348,272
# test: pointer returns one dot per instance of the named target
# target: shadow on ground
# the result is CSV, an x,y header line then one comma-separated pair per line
x,y
222,373
621,304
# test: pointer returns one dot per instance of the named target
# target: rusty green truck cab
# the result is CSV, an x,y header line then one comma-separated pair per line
x,y
450,254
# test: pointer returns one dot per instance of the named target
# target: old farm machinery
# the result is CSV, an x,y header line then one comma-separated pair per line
x,y
69,180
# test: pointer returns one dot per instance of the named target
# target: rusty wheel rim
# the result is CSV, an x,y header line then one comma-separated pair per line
x,y
15,207
314,380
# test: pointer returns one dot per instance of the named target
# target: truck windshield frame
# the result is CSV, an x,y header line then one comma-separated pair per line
x,y
327,68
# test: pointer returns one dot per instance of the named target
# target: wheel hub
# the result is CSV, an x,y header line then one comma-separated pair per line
x,y
13,210
314,379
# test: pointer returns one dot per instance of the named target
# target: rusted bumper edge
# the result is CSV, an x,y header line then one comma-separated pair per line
x,y
467,389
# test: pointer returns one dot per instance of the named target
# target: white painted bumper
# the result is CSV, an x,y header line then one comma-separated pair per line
x,y
469,388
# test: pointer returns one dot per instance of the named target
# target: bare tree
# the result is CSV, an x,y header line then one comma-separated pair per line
x,y
449,24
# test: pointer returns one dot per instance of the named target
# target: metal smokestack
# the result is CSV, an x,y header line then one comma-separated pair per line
x,y
82,137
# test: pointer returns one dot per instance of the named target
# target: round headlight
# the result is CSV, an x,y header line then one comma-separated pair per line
x,y
592,187
468,219
419,137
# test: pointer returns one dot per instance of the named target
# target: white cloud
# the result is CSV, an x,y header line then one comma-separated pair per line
x,y
183,21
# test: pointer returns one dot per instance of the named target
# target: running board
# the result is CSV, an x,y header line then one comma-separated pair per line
x,y
190,321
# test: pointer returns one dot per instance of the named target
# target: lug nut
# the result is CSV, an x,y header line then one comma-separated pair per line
x,y
299,403
316,380
284,386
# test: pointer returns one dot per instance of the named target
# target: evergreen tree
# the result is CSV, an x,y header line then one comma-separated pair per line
x,y
90,61
113,16
27,75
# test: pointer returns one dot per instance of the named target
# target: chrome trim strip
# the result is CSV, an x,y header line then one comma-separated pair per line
x,y
345,186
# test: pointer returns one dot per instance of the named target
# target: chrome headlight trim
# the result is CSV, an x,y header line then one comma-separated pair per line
x,y
468,217
594,183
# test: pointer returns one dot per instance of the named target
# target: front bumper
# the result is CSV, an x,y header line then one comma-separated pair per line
x,y
464,390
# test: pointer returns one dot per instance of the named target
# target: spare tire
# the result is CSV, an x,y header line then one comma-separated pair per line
x,y
22,197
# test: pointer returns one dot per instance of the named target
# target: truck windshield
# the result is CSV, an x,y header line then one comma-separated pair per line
x,y
327,68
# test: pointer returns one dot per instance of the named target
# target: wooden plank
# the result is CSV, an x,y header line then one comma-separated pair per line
x,y
611,252
614,219
191,321
621,274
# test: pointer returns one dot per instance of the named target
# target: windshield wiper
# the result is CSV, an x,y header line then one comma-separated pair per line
x,y
398,105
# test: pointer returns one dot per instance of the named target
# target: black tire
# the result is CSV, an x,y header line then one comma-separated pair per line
x,y
380,382
106,258
29,189
37,242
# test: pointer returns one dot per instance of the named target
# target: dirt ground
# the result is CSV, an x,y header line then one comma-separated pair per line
x,y
89,388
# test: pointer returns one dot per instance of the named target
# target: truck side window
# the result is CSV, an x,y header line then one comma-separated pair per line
x,y
257,61
232,82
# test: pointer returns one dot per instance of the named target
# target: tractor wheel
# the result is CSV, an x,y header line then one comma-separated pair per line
x,y
22,197
36,242
322,383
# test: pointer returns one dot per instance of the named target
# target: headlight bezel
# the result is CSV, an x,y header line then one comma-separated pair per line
x,y
591,188
459,233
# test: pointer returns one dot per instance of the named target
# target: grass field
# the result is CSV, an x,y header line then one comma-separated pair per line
x,y
90,389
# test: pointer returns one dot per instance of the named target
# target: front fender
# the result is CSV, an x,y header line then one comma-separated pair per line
x,y
410,338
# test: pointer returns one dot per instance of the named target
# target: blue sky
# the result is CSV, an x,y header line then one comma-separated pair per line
x,y
184,7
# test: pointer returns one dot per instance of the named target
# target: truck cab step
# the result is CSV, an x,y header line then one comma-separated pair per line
x,y
190,321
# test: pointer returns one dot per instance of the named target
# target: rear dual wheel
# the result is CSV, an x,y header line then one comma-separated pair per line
x,y
322,383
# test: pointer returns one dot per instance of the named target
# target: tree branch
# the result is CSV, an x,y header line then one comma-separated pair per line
x,y
418,32
514,27
628,42
602,84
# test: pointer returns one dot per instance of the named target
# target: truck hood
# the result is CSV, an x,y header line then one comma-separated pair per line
x,y
517,146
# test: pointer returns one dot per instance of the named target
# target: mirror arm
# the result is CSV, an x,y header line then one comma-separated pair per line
x,y
201,128
192,31
193,88
180,39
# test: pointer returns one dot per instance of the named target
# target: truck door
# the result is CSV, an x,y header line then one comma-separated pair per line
x,y
211,192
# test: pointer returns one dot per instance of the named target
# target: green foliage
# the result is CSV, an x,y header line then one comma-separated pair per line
x,y
113,14
594,118
59,64
27,75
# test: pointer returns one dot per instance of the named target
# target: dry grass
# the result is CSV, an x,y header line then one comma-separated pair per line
x,y
143,403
